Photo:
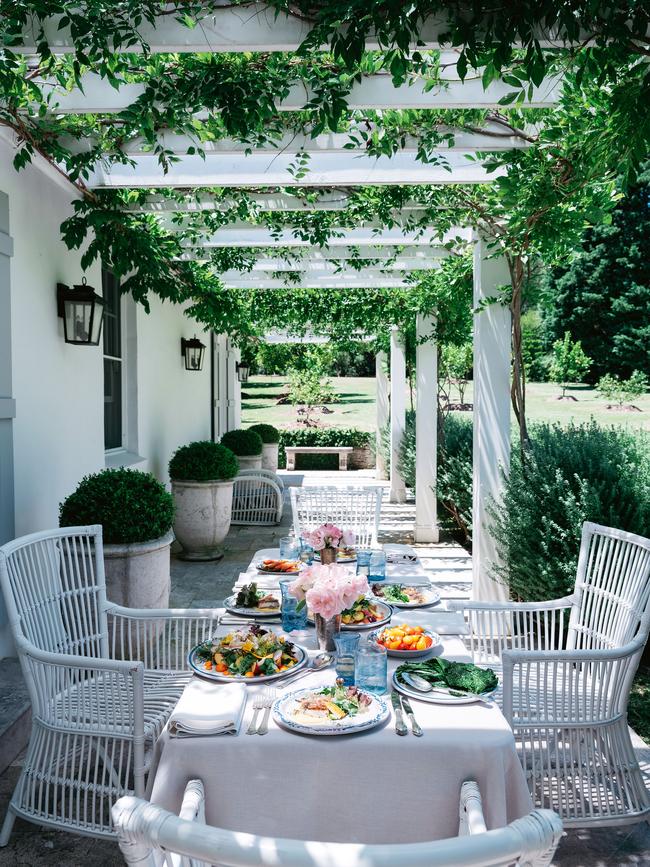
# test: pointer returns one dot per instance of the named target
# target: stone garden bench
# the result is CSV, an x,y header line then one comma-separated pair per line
x,y
341,451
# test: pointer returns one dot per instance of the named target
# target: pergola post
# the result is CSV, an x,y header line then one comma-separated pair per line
x,y
383,411
233,388
492,329
426,431
397,413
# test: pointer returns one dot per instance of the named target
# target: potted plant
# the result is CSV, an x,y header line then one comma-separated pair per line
x,y
270,439
136,514
247,445
202,476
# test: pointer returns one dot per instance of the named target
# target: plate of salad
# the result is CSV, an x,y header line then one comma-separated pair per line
x,y
249,654
457,682
366,613
330,710
249,601
405,595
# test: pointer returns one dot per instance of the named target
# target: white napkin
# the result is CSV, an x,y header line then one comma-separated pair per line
x,y
400,554
208,709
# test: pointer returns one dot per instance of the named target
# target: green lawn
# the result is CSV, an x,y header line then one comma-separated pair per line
x,y
356,407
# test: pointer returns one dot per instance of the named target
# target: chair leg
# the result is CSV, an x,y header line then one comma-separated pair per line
x,y
7,826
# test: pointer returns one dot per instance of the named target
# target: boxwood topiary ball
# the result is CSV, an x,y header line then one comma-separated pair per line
x,y
268,433
131,506
243,442
203,461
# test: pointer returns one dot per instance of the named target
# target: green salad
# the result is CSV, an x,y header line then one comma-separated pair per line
x,y
462,676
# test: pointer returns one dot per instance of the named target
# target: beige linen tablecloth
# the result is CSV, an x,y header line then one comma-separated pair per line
x,y
373,787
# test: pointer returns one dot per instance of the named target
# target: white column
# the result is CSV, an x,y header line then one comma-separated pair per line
x,y
237,391
221,386
426,432
492,330
383,410
397,412
233,404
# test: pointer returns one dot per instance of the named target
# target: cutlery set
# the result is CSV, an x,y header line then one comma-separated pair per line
x,y
401,704
262,702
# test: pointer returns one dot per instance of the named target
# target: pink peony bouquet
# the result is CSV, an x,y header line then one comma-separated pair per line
x,y
328,590
329,536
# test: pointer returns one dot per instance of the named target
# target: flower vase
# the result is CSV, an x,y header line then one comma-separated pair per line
x,y
326,630
328,555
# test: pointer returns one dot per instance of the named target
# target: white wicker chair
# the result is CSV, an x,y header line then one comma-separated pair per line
x,y
257,498
568,665
355,509
102,679
150,836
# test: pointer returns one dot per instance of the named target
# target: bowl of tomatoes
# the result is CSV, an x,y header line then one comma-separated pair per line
x,y
407,641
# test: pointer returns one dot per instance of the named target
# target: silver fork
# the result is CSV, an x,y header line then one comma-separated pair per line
x,y
258,704
269,698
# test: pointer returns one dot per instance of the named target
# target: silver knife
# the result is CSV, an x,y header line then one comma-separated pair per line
x,y
400,725
415,728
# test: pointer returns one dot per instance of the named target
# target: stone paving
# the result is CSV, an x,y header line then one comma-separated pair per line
x,y
205,585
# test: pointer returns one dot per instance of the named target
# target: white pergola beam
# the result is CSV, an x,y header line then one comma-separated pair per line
x,y
278,170
259,236
412,258
252,27
266,268
361,282
493,138
98,96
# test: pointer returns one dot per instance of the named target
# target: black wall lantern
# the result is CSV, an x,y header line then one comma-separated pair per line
x,y
192,351
82,311
243,369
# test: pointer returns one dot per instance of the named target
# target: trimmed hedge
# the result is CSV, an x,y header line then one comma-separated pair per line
x,y
243,442
203,461
571,475
329,436
267,432
131,506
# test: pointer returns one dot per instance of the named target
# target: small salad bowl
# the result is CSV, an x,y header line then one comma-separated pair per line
x,y
430,638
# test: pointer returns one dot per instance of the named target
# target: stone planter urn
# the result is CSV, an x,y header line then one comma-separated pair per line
x,y
270,457
138,574
250,462
203,512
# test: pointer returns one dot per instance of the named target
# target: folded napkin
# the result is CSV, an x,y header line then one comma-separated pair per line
x,y
400,554
208,709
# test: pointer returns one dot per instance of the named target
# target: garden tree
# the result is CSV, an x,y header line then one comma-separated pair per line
x,y
307,390
455,366
603,295
568,363
534,357
620,391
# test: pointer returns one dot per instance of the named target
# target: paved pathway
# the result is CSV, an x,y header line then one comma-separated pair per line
x,y
197,585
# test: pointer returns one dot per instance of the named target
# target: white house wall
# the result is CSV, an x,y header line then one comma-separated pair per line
x,y
58,430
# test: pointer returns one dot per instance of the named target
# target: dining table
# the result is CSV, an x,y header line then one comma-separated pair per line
x,y
367,787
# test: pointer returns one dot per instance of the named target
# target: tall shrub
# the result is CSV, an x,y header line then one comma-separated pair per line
x,y
571,475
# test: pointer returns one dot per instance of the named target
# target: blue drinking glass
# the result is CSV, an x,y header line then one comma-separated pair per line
x,y
346,646
363,562
291,618
306,552
371,667
377,568
289,548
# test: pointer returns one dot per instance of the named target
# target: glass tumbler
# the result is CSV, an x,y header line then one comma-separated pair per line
x,y
291,618
363,563
306,552
377,569
289,548
346,646
371,667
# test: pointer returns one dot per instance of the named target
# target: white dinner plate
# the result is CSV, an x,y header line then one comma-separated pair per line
x,y
230,604
430,596
278,572
438,697
197,665
376,713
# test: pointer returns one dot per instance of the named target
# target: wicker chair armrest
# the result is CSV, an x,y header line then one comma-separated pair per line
x,y
568,686
161,638
85,694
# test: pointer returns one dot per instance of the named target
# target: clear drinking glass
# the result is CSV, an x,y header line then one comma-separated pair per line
x,y
363,562
377,569
291,618
371,667
289,548
346,645
306,552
